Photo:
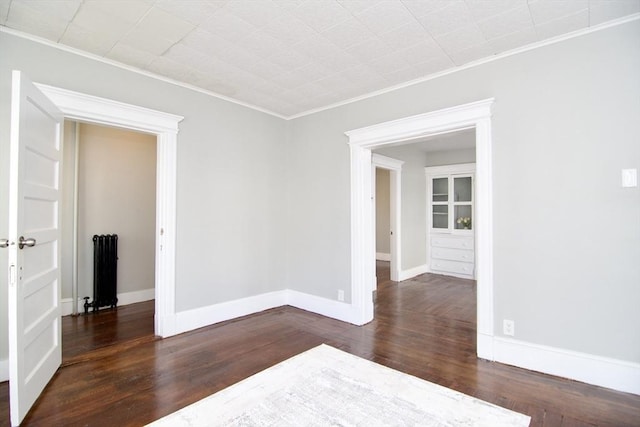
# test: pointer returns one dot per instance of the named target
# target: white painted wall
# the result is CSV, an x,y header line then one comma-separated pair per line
x,y
383,210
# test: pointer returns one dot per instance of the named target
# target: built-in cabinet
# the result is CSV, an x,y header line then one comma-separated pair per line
x,y
450,228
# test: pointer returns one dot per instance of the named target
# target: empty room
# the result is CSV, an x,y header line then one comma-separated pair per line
x,y
397,212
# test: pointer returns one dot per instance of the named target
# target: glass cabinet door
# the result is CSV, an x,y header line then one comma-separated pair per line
x,y
462,189
450,199
440,190
440,216
440,203
462,203
462,217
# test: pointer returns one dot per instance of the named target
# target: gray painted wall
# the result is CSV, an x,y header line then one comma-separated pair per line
x,y
66,208
230,175
450,157
566,235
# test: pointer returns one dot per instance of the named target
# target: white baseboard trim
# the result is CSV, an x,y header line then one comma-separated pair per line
x,y
601,371
136,296
381,256
484,346
189,320
205,316
413,272
4,370
319,305
124,298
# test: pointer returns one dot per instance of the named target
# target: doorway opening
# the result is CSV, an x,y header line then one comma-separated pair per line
x,y
477,116
382,213
108,187
90,109
390,170
420,159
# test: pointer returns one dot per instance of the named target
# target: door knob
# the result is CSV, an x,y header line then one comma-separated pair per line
x,y
4,243
22,242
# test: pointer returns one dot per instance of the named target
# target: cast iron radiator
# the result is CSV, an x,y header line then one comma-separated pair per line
x,y
105,268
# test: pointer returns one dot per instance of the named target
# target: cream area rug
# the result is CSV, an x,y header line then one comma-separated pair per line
x,y
328,387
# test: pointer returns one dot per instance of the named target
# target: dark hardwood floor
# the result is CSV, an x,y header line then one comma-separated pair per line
x,y
81,335
425,327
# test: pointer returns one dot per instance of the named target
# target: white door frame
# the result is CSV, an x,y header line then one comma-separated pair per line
x,y
87,108
361,142
395,196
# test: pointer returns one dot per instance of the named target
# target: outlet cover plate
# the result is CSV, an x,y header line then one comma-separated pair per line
x,y
629,178
508,327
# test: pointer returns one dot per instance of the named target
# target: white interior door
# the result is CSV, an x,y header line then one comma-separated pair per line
x,y
34,233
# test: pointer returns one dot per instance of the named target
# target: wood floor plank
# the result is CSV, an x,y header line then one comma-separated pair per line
x,y
118,374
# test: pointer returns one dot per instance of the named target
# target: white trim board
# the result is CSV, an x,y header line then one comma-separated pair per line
x,y
319,305
124,298
413,272
189,320
87,108
381,256
601,371
206,316
385,162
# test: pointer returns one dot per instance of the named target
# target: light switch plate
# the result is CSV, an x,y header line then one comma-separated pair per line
x,y
629,178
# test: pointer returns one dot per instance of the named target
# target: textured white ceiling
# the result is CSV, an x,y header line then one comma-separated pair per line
x,y
292,56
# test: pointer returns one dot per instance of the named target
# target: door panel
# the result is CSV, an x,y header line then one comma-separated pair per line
x,y
34,202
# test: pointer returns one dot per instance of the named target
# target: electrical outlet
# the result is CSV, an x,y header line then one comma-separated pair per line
x,y
340,295
508,327
629,178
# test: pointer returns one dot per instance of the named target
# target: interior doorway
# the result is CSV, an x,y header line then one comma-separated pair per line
x,y
417,157
86,108
391,169
108,187
382,212
475,115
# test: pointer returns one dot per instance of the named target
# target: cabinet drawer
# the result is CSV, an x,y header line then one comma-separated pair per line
x,y
452,254
447,266
452,242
